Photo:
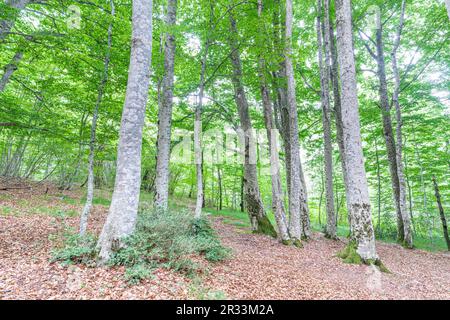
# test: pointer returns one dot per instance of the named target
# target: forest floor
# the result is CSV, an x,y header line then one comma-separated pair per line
x,y
33,221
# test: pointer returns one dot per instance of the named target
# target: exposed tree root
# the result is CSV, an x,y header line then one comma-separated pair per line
x,y
265,227
351,256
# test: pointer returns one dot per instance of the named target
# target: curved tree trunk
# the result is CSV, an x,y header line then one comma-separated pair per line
x,y
253,203
362,228
277,198
165,112
406,219
441,213
9,70
387,128
5,28
7,24
101,89
122,213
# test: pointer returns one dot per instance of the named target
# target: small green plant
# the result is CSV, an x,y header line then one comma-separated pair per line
x,y
76,249
168,239
199,292
136,273
6,211
207,241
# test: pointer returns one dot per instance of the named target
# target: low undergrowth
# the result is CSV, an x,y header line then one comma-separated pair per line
x,y
170,239
75,249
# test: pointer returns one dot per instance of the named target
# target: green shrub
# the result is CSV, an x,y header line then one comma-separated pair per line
x,y
207,242
168,239
200,292
76,250
162,239
137,273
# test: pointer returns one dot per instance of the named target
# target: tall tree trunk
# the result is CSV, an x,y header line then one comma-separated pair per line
x,y
277,197
295,218
423,186
330,230
280,94
362,228
9,70
378,188
198,148
5,28
122,213
407,232
334,75
242,203
281,86
165,111
410,194
198,125
253,203
387,127
441,212
219,182
101,90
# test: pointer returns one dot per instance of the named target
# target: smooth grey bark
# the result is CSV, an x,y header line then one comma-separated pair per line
x,y
295,215
334,75
387,126
282,118
200,200
101,89
406,220
280,95
7,24
219,182
122,213
441,212
277,197
330,230
410,195
198,129
198,147
252,197
9,70
423,185
378,188
165,112
362,228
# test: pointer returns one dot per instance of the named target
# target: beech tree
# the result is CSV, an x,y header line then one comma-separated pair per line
x,y
393,146
253,203
361,113
165,111
326,119
101,89
361,219
122,213
277,200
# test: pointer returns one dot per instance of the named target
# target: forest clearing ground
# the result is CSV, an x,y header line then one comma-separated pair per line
x,y
260,267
